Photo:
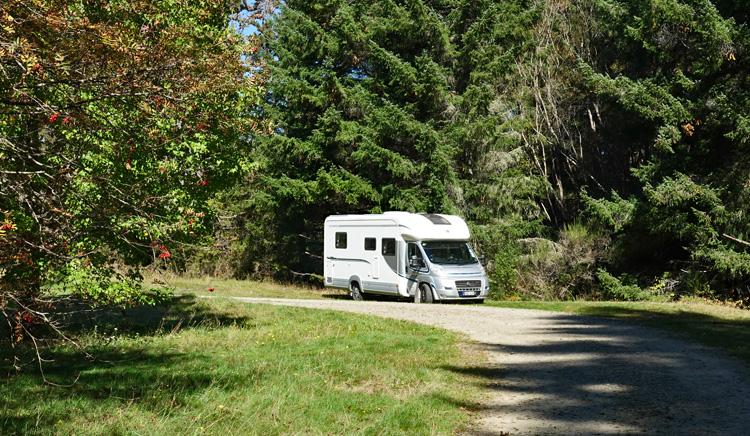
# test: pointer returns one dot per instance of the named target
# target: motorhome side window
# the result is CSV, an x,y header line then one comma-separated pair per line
x,y
389,246
340,239
370,244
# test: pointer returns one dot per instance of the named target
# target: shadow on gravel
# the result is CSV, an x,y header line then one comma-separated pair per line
x,y
336,296
368,297
595,375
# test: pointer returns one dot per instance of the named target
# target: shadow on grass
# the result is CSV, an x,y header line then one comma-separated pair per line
x,y
129,372
180,311
153,381
593,375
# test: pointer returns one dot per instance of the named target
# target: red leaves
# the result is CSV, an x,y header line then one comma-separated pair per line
x,y
211,289
67,119
202,182
163,250
27,318
6,227
165,254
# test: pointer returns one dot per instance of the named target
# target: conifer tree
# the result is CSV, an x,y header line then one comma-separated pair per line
x,y
357,93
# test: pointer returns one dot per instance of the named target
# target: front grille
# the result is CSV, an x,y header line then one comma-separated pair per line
x,y
468,284
469,288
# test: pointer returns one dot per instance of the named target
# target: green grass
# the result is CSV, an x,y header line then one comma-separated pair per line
x,y
709,323
712,324
241,288
215,367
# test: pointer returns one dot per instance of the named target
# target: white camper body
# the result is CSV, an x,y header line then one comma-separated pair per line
x,y
425,256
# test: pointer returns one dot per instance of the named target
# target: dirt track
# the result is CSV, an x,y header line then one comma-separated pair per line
x,y
553,373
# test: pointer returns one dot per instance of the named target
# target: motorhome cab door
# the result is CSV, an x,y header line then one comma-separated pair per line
x,y
412,252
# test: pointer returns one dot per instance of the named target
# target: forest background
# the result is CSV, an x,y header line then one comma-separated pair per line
x,y
597,148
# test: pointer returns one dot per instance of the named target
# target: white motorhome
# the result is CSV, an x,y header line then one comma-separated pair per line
x,y
424,256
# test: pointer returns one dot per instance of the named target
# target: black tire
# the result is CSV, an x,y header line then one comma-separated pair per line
x,y
356,292
480,301
424,294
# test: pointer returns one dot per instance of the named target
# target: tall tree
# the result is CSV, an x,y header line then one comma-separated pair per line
x,y
358,91
679,69
117,122
500,188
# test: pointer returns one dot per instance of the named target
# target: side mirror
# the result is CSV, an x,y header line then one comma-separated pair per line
x,y
416,263
483,260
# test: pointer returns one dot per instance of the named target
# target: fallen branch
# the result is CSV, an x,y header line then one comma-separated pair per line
x,y
739,241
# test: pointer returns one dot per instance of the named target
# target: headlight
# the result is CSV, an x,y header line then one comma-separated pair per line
x,y
447,284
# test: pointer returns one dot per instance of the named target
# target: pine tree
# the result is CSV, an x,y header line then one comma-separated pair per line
x,y
500,190
357,94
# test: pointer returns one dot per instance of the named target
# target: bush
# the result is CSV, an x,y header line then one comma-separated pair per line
x,y
504,272
564,269
613,288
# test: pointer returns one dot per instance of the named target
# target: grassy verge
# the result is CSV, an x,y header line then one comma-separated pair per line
x,y
711,324
214,367
241,288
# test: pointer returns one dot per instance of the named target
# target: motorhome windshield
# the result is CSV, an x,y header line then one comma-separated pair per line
x,y
449,252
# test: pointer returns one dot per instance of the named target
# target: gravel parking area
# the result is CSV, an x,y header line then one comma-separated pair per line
x,y
554,373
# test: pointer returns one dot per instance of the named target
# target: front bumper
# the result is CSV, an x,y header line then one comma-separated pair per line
x,y
448,291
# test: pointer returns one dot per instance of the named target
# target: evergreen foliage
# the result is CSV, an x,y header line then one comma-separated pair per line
x,y
582,140
358,92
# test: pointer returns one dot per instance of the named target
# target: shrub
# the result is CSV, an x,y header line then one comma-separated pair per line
x,y
564,269
613,288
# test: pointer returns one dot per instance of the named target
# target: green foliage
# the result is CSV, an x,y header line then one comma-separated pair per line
x,y
103,287
612,288
613,215
734,264
628,118
484,108
565,269
685,210
356,93
118,123
673,68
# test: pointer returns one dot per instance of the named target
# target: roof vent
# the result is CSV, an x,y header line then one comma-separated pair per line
x,y
436,219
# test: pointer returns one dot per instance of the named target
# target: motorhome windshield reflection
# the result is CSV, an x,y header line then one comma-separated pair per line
x,y
449,252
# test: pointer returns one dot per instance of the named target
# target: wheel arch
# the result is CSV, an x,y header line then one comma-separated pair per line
x,y
433,288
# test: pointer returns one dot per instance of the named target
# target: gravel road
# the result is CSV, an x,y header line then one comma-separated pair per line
x,y
554,373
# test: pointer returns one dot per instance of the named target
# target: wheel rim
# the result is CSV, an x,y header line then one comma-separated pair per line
x,y
422,294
